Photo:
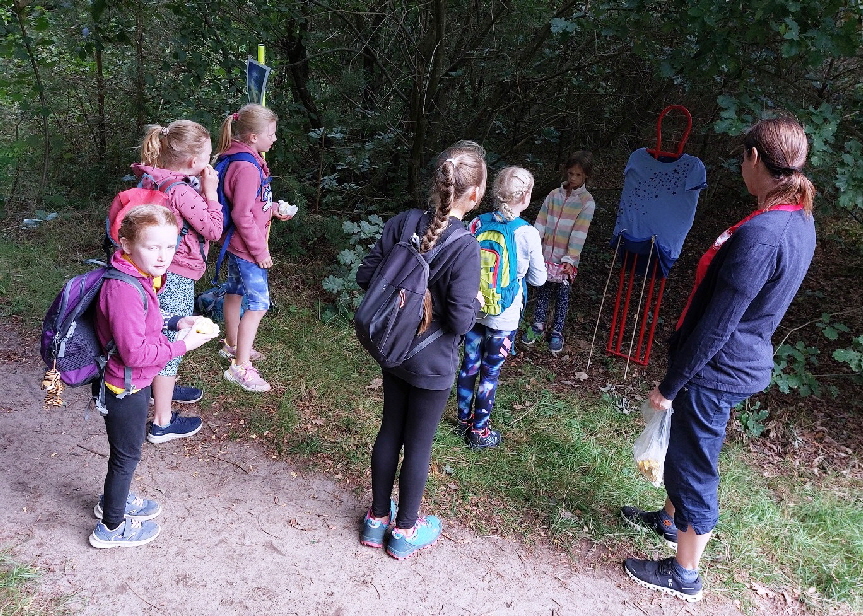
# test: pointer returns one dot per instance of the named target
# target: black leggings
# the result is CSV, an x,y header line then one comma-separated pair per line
x,y
126,425
410,418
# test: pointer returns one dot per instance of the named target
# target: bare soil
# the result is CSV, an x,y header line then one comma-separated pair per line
x,y
244,532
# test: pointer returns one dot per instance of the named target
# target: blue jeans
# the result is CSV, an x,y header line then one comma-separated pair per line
x,y
485,350
247,279
692,462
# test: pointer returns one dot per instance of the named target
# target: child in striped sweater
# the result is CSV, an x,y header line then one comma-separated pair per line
x,y
562,223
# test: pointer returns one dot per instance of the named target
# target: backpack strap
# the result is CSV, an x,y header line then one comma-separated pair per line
x,y
457,233
111,346
185,228
221,166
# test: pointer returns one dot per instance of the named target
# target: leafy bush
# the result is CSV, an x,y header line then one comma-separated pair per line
x,y
342,282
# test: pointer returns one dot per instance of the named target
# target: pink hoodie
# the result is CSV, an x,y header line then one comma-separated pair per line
x,y
204,219
120,317
251,214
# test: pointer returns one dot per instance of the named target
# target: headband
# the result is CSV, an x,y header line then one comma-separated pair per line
x,y
164,131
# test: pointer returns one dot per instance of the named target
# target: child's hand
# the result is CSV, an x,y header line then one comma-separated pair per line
x,y
194,339
266,263
284,211
209,183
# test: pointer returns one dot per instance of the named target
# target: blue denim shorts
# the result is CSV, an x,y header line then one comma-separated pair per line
x,y
692,462
247,279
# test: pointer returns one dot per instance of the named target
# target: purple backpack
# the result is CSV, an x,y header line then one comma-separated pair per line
x,y
69,341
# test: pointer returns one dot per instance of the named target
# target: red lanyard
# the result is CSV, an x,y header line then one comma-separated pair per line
x,y
707,257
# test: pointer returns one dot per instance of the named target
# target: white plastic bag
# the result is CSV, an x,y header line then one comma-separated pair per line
x,y
650,447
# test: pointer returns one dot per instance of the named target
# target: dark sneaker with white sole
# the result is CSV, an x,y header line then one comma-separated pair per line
x,y
660,575
180,427
483,439
652,520
185,394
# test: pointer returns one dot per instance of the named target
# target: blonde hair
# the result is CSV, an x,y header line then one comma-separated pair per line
x,y
251,119
142,216
511,184
457,170
783,147
171,146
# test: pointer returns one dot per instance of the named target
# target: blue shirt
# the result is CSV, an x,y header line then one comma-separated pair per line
x,y
724,342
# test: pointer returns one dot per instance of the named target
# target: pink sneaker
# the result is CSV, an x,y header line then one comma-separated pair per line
x,y
230,352
246,377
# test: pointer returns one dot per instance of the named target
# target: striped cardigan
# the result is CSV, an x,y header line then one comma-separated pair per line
x,y
563,223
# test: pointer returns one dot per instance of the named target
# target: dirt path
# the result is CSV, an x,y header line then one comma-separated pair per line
x,y
245,534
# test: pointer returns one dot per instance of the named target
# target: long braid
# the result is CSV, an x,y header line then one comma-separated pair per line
x,y
457,170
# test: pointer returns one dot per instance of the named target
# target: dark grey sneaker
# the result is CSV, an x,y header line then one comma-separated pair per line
x,y
482,439
651,520
462,428
555,343
660,575
185,394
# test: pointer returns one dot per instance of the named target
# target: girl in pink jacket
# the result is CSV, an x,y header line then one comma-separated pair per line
x,y
173,158
148,240
246,187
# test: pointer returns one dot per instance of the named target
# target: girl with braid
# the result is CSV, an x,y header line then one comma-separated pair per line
x,y
416,391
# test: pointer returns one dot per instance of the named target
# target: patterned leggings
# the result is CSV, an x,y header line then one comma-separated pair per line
x,y
543,300
485,350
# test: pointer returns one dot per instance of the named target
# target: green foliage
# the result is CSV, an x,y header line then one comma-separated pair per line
x,y
342,282
752,418
791,369
853,355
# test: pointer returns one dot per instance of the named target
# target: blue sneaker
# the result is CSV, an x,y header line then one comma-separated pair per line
x,y
555,343
136,507
180,427
129,534
184,394
374,530
426,532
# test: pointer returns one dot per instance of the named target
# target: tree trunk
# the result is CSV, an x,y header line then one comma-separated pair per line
x,y
429,63
40,88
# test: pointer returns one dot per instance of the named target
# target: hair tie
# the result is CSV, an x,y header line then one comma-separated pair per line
x,y
164,131
450,160
235,116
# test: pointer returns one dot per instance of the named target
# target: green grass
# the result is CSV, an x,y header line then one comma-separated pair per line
x,y
18,591
561,475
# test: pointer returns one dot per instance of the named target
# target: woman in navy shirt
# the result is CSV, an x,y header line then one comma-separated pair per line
x,y
721,352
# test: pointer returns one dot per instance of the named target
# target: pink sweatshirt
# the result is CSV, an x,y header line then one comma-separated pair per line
x,y
251,214
204,219
140,343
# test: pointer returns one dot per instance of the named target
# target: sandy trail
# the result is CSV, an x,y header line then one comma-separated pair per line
x,y
245,534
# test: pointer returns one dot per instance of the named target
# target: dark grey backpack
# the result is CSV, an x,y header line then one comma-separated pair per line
x,y
390,314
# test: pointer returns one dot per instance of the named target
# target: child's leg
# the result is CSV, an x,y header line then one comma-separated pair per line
x,y
540,311
388,444
495,350
231,311
469,369
177,298
561,308
425,408
256,284
126,425
246,333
